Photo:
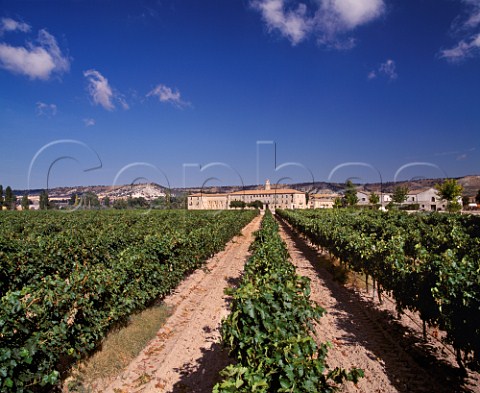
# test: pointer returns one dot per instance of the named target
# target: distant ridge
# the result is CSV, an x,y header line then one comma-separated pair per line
x,y
150,191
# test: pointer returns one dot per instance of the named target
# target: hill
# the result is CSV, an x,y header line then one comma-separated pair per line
x,y
151,191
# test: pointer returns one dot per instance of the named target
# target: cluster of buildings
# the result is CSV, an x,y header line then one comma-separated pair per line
x,y
287,198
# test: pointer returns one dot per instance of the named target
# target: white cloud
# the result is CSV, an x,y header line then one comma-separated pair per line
x,y
464,49
9,25
473,18
293,24
99,89
44,109
329,21
89,122
387,69
336,18
102,93
467,30
353,13
123,103
35,61
167,95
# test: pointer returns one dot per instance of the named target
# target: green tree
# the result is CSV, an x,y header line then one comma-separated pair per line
x,y
72,200
400,194
179,201
44,203
9,199
137,203
451,191
89,200
238,204
350,195
256,204
106,202
477,197
1,196
373,198
337,202
120,204
168,199
25,202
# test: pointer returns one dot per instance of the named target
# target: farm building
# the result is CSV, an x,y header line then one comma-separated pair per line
x,y
277,198
322,201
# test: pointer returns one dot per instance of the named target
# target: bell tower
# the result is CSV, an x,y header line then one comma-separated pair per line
x,y
267,184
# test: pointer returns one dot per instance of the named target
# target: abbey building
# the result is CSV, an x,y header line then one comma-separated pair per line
x,y
277,198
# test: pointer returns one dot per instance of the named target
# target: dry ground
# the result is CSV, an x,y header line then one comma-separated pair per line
x,y
369,335
186,355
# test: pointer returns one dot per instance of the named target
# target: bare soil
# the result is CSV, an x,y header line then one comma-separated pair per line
x,y
186,355
369,335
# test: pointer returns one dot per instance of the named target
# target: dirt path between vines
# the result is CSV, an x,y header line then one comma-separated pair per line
x,y
186,355
370,336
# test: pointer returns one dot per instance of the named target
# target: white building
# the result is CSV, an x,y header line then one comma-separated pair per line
x,y
364,196
427,199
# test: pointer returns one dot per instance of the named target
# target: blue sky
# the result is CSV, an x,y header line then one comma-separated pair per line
x,y
229,92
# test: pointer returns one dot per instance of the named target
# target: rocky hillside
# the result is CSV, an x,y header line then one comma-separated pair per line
x,y
151,191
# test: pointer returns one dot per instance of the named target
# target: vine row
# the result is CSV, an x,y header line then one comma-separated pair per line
x,y
269,331
429,263
65,279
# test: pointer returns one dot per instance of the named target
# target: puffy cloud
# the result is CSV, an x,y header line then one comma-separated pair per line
x,y
44,109
167,95
330,21
467,30
8,24
89,122
99,89
35,61
293,24
102,93
336,18
350,14
387,69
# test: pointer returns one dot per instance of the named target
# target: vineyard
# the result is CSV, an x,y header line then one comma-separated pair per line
x,y
430,264
270,326
65,279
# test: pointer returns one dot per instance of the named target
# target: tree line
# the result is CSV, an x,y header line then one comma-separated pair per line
x,y
88,201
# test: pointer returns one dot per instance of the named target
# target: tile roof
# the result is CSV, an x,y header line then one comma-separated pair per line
x,y
204,194
251,192
267,192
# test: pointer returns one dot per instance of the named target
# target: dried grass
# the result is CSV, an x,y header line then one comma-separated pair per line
x,y
118,349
